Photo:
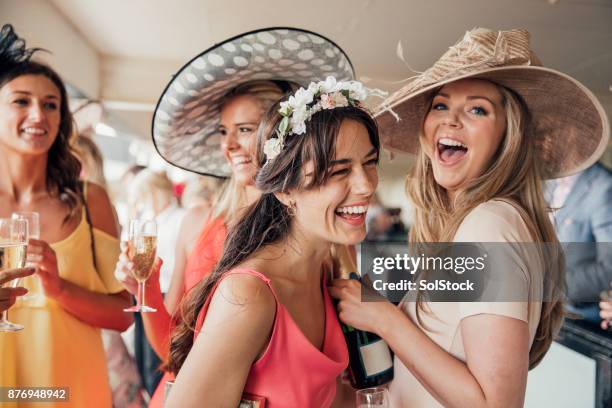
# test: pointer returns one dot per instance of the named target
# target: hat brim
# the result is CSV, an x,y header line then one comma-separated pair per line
x,y
563,112
186,118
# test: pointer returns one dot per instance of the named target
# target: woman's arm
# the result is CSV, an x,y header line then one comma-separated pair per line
x,y
235,332
496,348
158,325
96,309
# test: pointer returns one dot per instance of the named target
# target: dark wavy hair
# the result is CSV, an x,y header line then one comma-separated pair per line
x,y
63,166
268,221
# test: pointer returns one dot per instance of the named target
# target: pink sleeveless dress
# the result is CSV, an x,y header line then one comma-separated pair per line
x,y
292,372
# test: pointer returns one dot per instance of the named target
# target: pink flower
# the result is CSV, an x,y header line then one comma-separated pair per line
x,y
327,102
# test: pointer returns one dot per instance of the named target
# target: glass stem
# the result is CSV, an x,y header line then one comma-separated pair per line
x,y
4,317
141,293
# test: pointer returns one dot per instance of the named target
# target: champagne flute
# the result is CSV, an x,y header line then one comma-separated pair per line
x,y
377,397
13,244
33,218
142,245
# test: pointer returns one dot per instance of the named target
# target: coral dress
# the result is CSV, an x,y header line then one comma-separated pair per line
x,y
204,255
292,372
56,349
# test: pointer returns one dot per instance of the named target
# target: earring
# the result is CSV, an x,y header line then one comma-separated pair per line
x,y
291,208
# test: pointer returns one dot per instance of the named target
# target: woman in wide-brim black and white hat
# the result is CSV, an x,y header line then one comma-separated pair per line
x,y
487,123
205,122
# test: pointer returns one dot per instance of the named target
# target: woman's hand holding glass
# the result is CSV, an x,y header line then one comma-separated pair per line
x,y
141,249
124,272
13,241
43,258
33,219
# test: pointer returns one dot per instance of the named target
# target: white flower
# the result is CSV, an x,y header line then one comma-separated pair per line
x,y
300,114
299,129
272,148
329,85
357,91
314,87
301,98
284,108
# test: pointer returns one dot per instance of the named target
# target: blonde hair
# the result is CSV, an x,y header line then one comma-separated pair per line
x,y
513,175
233,196
201,190
149,185
91,159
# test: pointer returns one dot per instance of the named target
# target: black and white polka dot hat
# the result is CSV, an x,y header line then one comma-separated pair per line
x,y
186,118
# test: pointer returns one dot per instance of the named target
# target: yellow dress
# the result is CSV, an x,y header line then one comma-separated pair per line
x,y
56,349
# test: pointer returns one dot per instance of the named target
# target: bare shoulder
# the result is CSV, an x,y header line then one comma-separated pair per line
x,y
101,209
245,299
242,289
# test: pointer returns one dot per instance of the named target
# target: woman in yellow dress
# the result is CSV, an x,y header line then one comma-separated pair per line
x,y
78,247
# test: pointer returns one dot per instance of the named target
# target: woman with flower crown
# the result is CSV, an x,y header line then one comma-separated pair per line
x,y
487,124
205,122
265,326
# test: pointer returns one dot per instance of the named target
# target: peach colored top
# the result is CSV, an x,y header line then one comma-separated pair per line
x,y
493,221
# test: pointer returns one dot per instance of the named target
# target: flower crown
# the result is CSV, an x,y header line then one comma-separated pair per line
x,y
301,106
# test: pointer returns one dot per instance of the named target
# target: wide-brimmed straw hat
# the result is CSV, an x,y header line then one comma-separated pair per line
x,y
570,127
186,118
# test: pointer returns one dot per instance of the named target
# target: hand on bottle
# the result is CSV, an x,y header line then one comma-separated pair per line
x,y
352,311
42,256
8,295
123,273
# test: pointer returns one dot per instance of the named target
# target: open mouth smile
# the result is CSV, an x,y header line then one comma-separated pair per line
x,y
353,214
450,151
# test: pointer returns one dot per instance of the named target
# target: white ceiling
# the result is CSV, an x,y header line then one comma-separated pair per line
x,y
143,42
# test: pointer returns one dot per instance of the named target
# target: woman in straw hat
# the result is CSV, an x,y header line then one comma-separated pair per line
x,y
486,123
205,122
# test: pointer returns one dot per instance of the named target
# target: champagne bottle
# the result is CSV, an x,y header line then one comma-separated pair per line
x,y
370,359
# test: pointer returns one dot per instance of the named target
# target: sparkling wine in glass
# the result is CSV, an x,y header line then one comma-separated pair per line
x,y
32,283
13,244
142,246
377,397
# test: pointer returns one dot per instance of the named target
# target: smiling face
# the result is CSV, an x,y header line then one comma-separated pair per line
x,y
240,117
29,114
335,212
462,131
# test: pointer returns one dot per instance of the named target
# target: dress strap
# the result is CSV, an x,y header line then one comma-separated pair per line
x,y
89,225
236,271
245,271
